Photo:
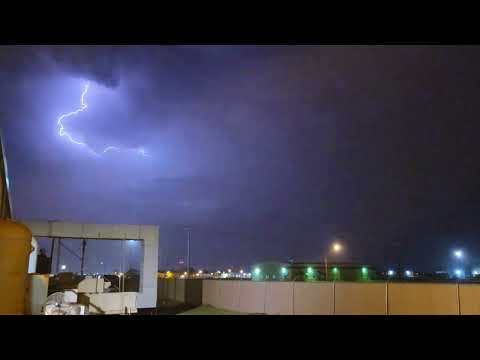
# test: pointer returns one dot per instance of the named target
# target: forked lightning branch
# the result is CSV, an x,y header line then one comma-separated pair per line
x,y
63,132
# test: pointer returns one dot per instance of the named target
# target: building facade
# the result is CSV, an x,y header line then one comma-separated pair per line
x,y
270,271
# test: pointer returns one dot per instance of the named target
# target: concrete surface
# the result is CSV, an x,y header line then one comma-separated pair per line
x,y
313,298
279,298
360,298
422,299
342,298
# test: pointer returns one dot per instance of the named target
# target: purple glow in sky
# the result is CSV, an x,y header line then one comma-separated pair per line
x,y
266,152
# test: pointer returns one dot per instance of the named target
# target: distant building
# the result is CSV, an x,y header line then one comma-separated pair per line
x,y
476,271
440,275
270,271
312,271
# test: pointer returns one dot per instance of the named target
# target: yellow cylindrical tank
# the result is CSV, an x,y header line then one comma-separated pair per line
x,y
15,248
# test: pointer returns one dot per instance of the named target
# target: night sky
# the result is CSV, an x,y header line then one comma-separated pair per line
x,y
266,152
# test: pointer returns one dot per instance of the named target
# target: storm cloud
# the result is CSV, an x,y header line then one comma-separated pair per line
x,y
265,151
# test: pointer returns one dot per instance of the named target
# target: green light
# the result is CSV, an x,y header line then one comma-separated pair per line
x,y
284,271
335,270
257,271
309,270
364,270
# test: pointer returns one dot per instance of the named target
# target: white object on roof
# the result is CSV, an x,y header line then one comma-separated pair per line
x,y
112,303
32,260
93,285
57,304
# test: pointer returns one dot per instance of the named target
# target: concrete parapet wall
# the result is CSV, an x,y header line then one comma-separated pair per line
x,y
279,298
342,298
422,299
469,299
360,298
313,298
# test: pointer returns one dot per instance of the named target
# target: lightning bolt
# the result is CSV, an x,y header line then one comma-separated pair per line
x,y
62,131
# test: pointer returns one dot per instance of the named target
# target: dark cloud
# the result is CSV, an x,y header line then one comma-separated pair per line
x,y
99,63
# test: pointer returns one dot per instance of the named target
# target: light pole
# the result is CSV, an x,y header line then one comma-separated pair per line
x,y
120,283
459,255
334,249
188,251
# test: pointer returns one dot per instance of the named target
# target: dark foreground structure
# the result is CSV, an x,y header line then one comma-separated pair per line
x,y
5,205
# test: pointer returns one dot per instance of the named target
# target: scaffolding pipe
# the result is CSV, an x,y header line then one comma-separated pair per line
x,y
84,245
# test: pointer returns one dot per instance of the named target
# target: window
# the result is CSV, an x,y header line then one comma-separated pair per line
x,y
114,259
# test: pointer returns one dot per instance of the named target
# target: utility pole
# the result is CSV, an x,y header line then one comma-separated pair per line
x,y
51,255
188,251
59,245
50,261
326,268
